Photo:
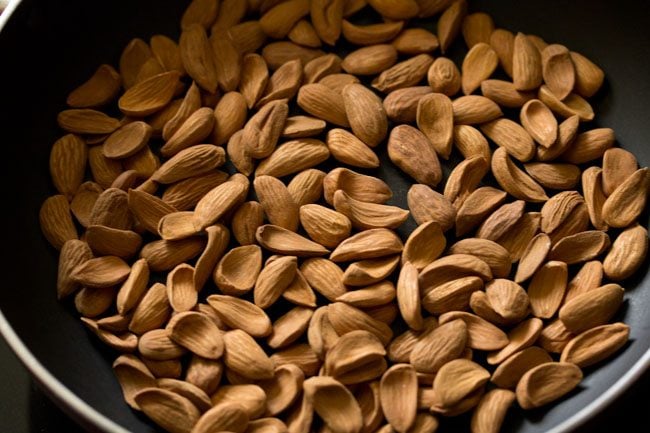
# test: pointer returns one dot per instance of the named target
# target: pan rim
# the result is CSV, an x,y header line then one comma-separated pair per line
x,y
88,416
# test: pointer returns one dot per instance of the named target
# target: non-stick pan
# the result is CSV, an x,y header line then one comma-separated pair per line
x,y
49,47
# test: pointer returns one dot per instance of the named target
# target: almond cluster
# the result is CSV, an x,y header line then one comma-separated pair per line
x,y
235,248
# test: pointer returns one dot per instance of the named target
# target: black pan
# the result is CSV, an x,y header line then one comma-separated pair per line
x,y
48,47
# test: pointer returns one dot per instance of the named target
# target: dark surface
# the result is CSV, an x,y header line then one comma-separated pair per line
x,y
49,48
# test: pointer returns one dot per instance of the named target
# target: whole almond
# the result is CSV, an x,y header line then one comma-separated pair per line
x,y
283,241
476,207
370,60
68,164
588,77
513,180
240,314
503,43
411,151
404,74
591,309
627,254
435,119
490,412
371,34
273,279
546,383
425,244
571,105
505,94
580,247
511,137
244,356
398,396
472,109
263,129
327,18
322,102
254,78
429,205
150,95
307,186
558,70
457,379
478,65
596,344
508,373
627,201
365,113
358,186
169,410
450,22
444,77
526,64
347,148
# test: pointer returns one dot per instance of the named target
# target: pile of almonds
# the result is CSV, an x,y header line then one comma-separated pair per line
x,y
314,314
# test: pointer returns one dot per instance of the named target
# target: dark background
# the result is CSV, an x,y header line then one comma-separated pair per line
x,y
43,62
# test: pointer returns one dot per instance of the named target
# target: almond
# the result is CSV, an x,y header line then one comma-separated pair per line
x,y
591,309
371,34
558,70
478,65
428,205
404,74
627,254
435,119
283,241
365,113
293,156
596,344
627,201
398,396
473,109
370,60
413,153
526,64
449,23
546,383
444,77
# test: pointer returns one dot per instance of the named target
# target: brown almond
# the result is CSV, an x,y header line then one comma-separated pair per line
x,y
371,34
470,142
254,78
322,102
580,247
327,18
572,105
238,269
403,74
588,77
505,94
368,244
415,41
591,309
424,245
618,165
337,82
508,373
456,380
526,64
164,255
348,149
244,356
294,156
282,241
589,277
413,153
278,21
247,36
558,70
513,180
68,164
496,257
401,105
56,221
628,200
168,409
278,205
358,186
451,295
596,344
435,119
464,178
481,334
324,225
429,205
533,257
217,202
476,207
334,403
263,129
436,347
368,215
324,276
321,67
478,65
273,279
501,221
408,296
240,314
365,113
302,126
180,288
197,333
283,389
473,109
503,43
86,121
100,89
303,33
489,414
444,77
370,60
189,162
512,137
150,95
508,299
546,383
627,254
398,396
539,122
449,23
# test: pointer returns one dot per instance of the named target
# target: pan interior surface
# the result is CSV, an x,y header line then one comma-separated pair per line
x,y
51,47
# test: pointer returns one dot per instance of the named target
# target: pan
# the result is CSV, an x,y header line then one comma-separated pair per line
x,y
49,47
